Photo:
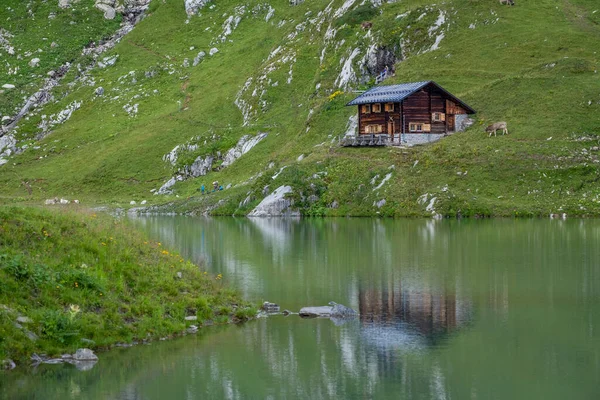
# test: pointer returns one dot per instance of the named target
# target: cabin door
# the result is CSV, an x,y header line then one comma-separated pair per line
x,y
391,127
450,123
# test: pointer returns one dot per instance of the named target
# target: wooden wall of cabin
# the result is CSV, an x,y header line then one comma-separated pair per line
x,y
419,107
379,118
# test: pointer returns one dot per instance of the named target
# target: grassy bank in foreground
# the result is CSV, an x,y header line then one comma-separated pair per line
x,y
72,276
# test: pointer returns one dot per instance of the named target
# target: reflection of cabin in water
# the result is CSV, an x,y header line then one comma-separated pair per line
x,y
432,315
409,113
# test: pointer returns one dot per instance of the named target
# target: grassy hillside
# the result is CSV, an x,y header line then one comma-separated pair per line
x,y
81,276
534,65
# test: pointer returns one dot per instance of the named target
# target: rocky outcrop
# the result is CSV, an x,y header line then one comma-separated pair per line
x,y
107,7
333,310
192,6
277,204
8,145
83,359
201,166
244,145
377,59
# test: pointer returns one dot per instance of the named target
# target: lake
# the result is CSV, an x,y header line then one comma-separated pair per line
x,y
452,309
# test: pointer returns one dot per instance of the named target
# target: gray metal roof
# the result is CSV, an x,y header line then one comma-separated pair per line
x,y
388,93
397,93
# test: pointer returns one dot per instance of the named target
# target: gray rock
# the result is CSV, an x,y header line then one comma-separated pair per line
x,y
379,203
64,3
334,204
192,6
266,190
99,91
31,336
276,204
244,145
313,312
179,274
85,355
7,364
313,198
8,86
34,62
213,51
198,59
246,201
87,341
192,329
109,11
270,307
332,310
191,318
24,320
166,188
201,166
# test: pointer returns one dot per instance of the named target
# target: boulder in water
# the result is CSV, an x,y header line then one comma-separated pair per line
x,y
333,310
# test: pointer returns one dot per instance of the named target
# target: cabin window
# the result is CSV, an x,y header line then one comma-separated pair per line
x,y
376,108
374,128
438,117
415,127
366,109
389,107
419,127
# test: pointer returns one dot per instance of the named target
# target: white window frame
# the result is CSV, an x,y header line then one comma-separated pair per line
x,y
366,109
415,125
376,108
438,117
389,107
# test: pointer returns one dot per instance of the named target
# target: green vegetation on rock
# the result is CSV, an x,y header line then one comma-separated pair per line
x,y
78,279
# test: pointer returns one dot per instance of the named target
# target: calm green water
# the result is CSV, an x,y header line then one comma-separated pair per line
x,y
496,309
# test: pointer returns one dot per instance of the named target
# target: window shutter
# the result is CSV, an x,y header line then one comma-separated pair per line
x,y
426,127
442,116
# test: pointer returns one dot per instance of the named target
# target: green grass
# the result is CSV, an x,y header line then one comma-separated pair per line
x,y
79,275
534,65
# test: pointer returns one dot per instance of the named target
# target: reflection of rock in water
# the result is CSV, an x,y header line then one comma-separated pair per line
x,y
399,317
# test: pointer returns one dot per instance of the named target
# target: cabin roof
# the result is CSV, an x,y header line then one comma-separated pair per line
x,y
397,93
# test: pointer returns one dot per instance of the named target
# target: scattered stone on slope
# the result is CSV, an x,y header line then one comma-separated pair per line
x,y
276,205
34,62
198,59
107,7
8,145
7,364
201,166
244,145
192,6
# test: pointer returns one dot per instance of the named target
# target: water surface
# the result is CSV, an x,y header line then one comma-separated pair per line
x,y
494,309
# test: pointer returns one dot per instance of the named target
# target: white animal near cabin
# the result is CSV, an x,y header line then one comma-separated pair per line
x,y
497,126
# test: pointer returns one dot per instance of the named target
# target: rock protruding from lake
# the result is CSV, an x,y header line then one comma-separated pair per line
x,y
333,310
270,307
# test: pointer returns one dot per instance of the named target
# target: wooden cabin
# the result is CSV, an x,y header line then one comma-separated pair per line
x,y
408,113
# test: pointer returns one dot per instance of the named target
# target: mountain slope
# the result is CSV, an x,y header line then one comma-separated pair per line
x,y
278,71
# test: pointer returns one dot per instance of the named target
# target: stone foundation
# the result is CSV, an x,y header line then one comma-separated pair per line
x,y
411,139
